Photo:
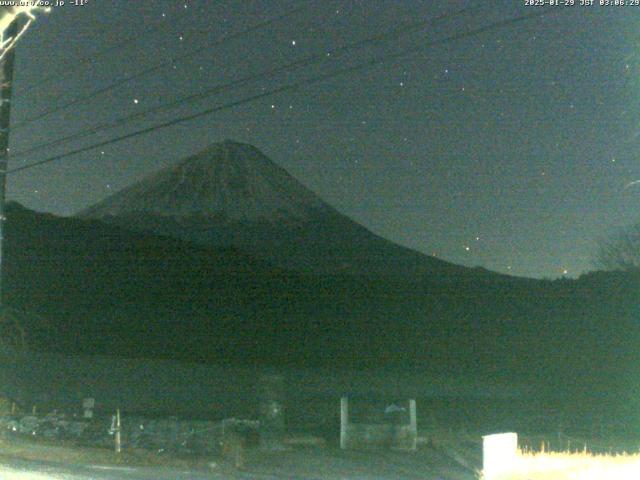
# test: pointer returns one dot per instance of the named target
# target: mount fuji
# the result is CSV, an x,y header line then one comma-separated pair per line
x,y
232,195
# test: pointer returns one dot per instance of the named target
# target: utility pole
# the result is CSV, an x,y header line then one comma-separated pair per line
x,y
6,86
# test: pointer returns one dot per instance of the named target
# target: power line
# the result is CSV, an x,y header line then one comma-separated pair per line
x,y
155,68
293,86
89,59
303,62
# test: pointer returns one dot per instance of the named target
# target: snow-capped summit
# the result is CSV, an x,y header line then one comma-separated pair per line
x,y
228,180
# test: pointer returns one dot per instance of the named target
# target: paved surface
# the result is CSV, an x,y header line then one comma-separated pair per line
x,y
31,470
298,465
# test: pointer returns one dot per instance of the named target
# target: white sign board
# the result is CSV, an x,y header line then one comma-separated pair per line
x,y
499,454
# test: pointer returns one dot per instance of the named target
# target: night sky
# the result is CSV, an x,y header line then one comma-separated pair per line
x,y
508,149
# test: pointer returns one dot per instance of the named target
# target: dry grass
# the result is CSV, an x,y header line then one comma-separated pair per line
x,y
573,466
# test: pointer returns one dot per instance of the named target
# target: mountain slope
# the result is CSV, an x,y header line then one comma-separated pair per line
x,y
228,181
231,194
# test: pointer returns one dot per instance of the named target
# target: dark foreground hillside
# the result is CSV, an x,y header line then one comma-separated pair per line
x,y
103,290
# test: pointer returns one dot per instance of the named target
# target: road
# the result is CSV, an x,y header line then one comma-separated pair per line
x,y
300,465
11,469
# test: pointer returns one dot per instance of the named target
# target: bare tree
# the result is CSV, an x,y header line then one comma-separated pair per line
x,y
620,251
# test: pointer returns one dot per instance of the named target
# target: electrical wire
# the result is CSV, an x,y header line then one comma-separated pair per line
x,y
262,75
293,86
90,59
152,69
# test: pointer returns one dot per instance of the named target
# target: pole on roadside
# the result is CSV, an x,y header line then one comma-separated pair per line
x,y
6,87
118,437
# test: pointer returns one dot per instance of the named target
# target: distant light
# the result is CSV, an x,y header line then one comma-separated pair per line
x,y
293,42
136,101
467,248
565,271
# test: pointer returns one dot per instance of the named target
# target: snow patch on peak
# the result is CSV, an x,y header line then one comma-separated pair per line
x,y
227,180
